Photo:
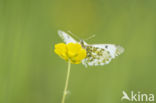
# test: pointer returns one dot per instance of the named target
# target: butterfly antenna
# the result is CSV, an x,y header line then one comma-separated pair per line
x,y
92,36
74,35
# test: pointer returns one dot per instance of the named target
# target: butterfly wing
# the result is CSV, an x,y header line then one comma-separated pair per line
x,y
100,54
114,50
66,37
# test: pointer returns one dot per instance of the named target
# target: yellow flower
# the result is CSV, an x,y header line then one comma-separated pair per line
x,y
72,52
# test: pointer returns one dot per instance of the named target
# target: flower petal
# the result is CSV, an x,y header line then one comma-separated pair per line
x,y
71,51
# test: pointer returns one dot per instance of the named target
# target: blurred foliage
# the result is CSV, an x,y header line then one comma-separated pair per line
x,y
30,72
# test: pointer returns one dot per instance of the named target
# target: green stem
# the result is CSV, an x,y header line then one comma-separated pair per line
x,y
66,83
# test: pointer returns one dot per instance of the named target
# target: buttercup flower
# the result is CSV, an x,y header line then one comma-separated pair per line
x,y
72,52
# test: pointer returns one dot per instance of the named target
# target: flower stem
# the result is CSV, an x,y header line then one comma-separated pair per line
x,y
66,83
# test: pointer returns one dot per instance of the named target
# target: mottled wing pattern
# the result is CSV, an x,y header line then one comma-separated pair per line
x,y
100,54
65,37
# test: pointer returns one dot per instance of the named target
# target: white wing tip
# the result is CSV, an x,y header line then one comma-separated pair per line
x,y
60,31
119,50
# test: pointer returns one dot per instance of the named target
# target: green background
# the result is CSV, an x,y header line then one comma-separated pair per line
x,y
30,72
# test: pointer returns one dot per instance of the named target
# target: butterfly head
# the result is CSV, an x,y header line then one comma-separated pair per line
x,y
82,43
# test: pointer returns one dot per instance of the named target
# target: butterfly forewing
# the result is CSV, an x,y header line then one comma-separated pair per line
x,y
66,38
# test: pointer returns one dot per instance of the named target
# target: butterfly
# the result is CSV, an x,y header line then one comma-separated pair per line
x,y
97,54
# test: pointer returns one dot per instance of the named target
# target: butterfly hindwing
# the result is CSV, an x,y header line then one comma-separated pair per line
x,y
114,50
100,54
